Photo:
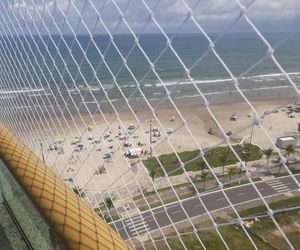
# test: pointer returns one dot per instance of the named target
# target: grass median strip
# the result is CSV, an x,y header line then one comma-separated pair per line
x,y
194,162
291,202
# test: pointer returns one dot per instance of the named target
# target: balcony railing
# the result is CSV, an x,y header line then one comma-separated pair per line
x,y
55,217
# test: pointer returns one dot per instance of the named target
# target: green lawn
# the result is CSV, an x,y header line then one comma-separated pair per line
x,y
268,231
194,162
290,202
233,236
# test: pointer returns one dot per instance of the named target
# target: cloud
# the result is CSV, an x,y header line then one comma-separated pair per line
x,y
213,15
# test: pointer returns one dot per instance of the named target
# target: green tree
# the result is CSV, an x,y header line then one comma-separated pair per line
x,y
223,160
204,176
290,149
268,153
109,203
202,166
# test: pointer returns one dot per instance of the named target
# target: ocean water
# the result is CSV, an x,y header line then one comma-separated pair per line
x,y
81,68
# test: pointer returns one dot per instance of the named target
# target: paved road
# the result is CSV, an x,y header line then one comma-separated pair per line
x,y
141,223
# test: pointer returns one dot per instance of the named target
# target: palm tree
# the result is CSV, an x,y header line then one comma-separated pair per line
x,y
279,169
109,203
290,149
268,153
202,166
240,173
223,160
231,171
204,176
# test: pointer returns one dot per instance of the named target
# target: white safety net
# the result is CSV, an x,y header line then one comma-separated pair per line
x,y
176,121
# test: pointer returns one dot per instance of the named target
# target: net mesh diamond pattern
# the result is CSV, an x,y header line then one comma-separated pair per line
x,y
179,136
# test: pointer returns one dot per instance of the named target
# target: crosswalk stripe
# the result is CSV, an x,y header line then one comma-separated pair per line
x,y
278,185
283,190
141,231
136,218
281,187
135,223
273,181
138,227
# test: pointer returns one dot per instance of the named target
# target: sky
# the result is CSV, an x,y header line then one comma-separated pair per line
x,y
169,15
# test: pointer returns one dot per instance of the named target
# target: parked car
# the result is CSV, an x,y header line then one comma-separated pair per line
x,y
78,147
107,156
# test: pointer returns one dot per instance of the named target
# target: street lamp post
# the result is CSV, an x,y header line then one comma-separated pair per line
x,y
150,135
252,128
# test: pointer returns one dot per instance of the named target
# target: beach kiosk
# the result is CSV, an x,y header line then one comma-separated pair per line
x,y
284,141
133,152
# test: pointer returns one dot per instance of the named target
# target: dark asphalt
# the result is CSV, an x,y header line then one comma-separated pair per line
x,y
144,222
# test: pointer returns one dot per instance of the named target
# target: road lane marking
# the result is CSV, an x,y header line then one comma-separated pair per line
x,y
221,199
176,212
205,194
159,210
240,194
198,205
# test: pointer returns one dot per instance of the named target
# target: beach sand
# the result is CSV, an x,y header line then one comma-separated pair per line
x,y
123,175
